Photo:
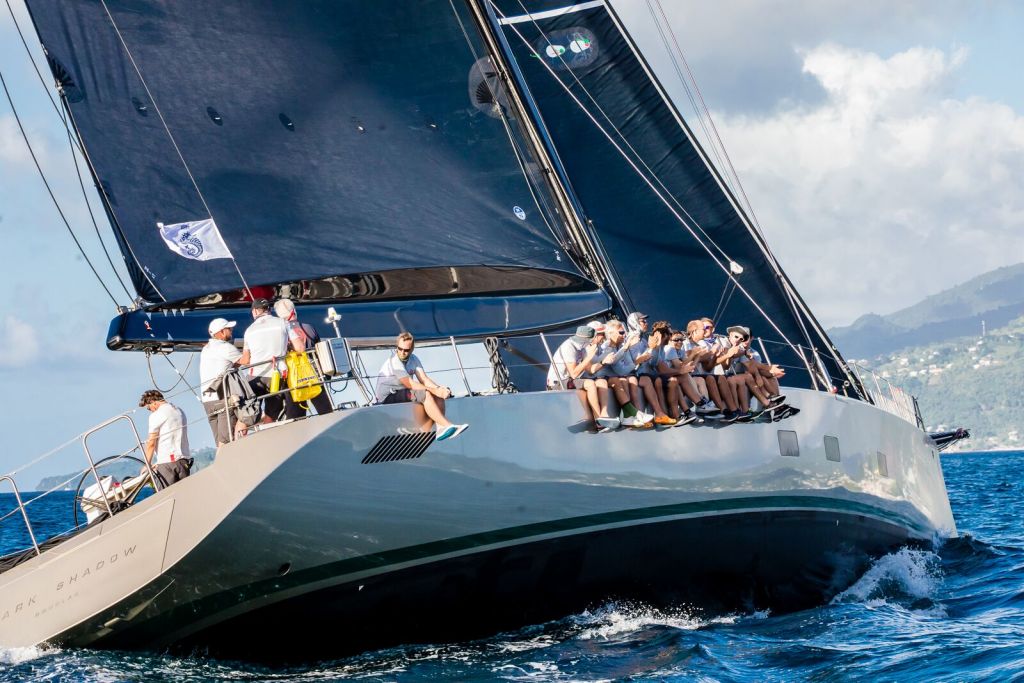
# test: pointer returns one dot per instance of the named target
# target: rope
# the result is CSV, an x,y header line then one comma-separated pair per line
x,y
49,190
657,193
181,375
170,136
501,380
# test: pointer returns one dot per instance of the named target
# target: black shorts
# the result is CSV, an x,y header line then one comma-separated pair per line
x,y
405,396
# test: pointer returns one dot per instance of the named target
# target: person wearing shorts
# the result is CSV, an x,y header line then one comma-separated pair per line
x,y
402,379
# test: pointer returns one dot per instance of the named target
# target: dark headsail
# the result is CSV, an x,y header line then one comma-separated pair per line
x,y
668,225
326,138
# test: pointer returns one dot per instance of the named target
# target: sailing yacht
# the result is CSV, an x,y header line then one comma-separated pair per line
x,y
465,170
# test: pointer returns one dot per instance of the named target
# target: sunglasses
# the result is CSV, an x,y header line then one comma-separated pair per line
x,y
709,327
677,340
401,350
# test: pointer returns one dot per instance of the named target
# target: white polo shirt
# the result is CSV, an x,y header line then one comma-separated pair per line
x,y
172,443
216,357
266,338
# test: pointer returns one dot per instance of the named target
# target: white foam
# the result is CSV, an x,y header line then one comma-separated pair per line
x,y
907,573
18,655
615,619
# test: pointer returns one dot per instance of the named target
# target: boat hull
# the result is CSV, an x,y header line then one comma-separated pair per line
x,y
296,537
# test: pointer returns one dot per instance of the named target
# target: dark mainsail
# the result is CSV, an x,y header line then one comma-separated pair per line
x,y
667,225
326,138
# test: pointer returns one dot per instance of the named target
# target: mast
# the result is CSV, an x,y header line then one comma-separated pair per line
x,y
595,261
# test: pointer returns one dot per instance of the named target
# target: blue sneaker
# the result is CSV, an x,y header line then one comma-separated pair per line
x,y
446,433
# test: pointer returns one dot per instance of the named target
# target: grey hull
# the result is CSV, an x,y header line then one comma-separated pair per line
x,y
290,537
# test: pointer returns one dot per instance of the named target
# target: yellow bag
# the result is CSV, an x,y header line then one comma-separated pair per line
x,y
303,379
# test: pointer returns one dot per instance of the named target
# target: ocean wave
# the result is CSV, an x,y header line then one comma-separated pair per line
x,y
905,575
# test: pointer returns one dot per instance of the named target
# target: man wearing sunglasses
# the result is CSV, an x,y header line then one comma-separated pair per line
x,y
402,379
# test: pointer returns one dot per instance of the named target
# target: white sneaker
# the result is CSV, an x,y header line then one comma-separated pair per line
x,y
643,418
458,430
610,423
445,433
628,421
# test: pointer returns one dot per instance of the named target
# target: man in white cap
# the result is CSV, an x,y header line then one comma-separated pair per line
x,y
218,356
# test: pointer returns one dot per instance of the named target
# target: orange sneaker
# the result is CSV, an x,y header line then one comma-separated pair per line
x,y
664,420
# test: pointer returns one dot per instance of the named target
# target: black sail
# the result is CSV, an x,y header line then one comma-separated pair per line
x,y
667,225
330,140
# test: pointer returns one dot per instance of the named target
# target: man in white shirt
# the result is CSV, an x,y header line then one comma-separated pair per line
x,y
166,448
217,357
402,379
265,342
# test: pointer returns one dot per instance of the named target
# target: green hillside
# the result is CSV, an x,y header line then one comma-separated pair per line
x,y
995,298
975,382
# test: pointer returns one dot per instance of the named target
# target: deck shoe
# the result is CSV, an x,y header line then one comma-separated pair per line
x,y
689,417
776,399
458,430
664,420
445,433
745,416
730,416
628,421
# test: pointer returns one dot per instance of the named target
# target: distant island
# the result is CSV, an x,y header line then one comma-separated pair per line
x,y
960,352
118,469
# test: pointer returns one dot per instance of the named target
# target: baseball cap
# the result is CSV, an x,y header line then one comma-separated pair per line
x,y
260,303
218,324
597,325
584,333
745,331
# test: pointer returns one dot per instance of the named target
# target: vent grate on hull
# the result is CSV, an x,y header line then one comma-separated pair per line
x,y
399,447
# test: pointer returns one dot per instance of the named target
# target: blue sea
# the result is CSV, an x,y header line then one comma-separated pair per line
x,y
952,614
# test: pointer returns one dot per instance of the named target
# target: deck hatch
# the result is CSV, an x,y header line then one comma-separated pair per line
x,y
832,448
399,447
883,465
789,446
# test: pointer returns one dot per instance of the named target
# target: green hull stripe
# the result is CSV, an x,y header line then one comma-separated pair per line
x,y
211,604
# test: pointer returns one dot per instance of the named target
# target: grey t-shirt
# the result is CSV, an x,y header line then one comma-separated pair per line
x,y
620,365
650,366
393,370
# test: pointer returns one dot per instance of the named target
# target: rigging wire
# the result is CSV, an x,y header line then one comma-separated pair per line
x,y
170,136
53,197
181,375
653,188
62,115
618,131
704,105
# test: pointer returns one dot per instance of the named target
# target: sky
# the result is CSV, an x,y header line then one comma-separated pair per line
x,y
879,144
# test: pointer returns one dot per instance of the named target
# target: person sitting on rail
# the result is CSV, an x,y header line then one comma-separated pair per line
x,y
302,337
649,375
402,379
166,449
702,352
569,362
681,393
595,384
761,378
265,345
742,372
722,356
617,366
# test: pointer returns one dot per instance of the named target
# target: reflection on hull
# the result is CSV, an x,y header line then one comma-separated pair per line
x,y
289,545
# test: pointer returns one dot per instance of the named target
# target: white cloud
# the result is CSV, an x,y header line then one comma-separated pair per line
x,y
19,341
887,190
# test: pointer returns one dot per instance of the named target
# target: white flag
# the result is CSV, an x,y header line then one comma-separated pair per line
x,y
199,240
